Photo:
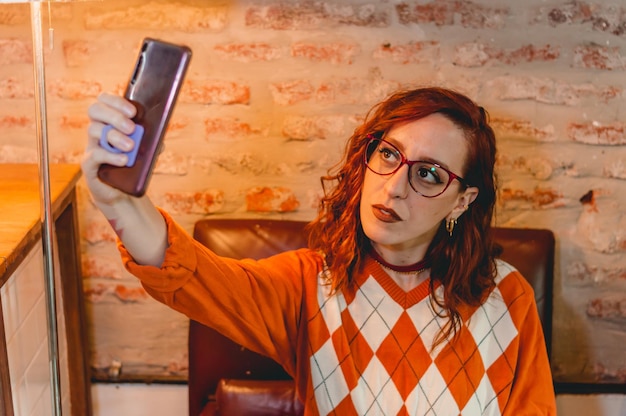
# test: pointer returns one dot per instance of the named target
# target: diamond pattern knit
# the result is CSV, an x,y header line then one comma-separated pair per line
x,y
376,358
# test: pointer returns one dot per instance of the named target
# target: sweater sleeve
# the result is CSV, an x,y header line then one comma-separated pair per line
x,y
257,304
532,392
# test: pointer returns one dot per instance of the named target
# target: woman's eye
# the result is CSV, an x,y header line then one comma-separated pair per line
x,y
388,154
428,174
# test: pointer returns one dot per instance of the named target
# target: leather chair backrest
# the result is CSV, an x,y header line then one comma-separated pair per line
x,y
213,357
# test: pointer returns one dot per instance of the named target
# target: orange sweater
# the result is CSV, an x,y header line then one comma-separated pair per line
x,y
367,351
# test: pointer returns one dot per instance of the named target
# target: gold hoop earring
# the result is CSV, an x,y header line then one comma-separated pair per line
x,y
450,225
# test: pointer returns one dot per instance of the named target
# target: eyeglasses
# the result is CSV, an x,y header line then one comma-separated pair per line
x,y
426,178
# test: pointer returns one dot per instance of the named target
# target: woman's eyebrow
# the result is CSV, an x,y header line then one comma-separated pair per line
x,y
401,148
395,142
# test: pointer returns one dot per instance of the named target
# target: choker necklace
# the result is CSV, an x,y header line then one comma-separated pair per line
x,y
414,268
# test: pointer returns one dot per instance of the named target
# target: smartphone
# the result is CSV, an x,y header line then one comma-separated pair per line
x,y
153,88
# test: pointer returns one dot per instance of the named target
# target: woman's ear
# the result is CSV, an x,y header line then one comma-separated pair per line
x,y
470,195
464,201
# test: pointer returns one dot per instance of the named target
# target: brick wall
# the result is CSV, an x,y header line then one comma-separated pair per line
x,y
276,87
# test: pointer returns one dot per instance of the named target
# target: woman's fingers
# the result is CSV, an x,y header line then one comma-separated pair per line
x,y
96,156
120,103
113,137
115,111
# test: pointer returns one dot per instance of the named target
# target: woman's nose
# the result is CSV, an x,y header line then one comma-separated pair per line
x,y
397,185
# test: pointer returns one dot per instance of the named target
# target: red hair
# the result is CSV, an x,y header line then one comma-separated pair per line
x,y
463,263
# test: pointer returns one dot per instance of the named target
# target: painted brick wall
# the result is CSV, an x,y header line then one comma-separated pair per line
x,y
276,87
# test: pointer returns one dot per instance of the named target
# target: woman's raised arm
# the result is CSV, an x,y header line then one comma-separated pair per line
x,y
136,221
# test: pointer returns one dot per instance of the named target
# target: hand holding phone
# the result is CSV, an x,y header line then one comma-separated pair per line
x,y
153,88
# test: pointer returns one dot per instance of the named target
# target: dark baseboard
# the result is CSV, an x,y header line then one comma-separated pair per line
x,y
589,388
104,377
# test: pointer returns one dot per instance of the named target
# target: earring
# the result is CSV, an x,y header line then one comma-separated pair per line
x,y
450,225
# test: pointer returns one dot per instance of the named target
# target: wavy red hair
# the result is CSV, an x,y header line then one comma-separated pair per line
x,y
464,263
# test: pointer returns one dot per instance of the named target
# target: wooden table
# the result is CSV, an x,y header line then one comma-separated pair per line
x,y
20,231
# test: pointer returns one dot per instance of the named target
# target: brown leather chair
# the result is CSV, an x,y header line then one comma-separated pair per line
x,y
226,379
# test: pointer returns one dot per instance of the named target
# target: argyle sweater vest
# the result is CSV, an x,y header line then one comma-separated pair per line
x,y
367,351
373,354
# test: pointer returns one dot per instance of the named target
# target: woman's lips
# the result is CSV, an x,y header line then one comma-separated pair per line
x,y
385,214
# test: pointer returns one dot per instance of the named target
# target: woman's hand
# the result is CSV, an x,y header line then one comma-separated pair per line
x,y
136,221
117,112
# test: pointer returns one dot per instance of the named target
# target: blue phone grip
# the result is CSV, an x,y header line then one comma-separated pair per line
x,y
136,136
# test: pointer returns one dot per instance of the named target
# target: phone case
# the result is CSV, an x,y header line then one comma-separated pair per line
x,y
153,88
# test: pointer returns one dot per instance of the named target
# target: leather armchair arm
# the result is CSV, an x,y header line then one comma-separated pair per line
x,y
256,397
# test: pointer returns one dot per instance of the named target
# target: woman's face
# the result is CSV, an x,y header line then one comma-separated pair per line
x,y
398,220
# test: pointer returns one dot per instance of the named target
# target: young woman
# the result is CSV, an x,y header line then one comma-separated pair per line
x,y
398,306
